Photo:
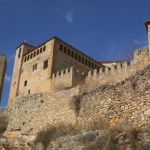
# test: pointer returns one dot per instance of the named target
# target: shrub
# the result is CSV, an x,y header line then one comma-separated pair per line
x,y
3,122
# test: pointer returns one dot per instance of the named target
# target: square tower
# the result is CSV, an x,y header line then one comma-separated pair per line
x,y
2,71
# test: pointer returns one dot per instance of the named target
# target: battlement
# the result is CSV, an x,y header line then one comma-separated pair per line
x,y
116,73
67,78
109,70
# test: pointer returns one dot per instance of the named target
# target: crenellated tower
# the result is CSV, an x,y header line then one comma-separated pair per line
x,y
20,51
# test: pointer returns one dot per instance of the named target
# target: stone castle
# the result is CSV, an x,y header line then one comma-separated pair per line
x,y
2,71
55,65
48,77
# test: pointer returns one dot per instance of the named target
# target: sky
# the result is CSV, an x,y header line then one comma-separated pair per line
x,y
103,29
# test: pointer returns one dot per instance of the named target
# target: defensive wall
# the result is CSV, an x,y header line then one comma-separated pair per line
x,y
126,103
67,78
116,73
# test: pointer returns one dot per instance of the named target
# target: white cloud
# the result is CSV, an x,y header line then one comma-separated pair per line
x,y
68,15
7,78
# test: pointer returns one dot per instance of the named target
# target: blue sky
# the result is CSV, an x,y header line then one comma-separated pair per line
x,y
104,29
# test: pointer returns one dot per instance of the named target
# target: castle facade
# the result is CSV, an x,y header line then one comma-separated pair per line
x,y
55,65
50,66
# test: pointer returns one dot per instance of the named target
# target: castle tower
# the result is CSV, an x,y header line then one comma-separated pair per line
x,y
147,24
20,51
3,64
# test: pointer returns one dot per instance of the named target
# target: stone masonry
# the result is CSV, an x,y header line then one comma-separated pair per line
x,y
2,71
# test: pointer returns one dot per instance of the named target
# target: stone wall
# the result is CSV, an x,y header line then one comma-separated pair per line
x,y
127,103
116,73
66,78
34,112
2,71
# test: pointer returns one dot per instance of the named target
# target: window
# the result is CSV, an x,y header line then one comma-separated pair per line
x,y
25,83
37,51
19,53
34,54
65,49
83,60
40,50
28,91
76,56
44,48
45,64
79,58
60,47
72,54
68,51
25,59
34,67
31,55
28,57
86,62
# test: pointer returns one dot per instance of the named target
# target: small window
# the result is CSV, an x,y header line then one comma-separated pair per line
x,y
92,65
28,91
37,51
89,63
25,83
44,48
60,47
72,54
65,49
34,54
45,64
79,58
40,50
34,67
28,57
86,62
76,56
25,59
68,51
83,60
31,55
19,53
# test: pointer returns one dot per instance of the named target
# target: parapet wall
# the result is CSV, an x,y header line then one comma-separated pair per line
x,y
67,78
121,71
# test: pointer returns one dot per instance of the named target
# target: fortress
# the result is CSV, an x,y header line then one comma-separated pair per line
x,y
2,71
49,77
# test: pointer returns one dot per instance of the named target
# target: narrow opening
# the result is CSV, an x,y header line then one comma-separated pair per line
x,y
19,53
44,48
28,91
45,64
25,83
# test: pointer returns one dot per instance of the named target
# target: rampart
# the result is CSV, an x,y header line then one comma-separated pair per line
x,y
67,78
127,103
121,71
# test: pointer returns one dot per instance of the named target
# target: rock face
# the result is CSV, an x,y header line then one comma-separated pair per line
x,y
86,140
